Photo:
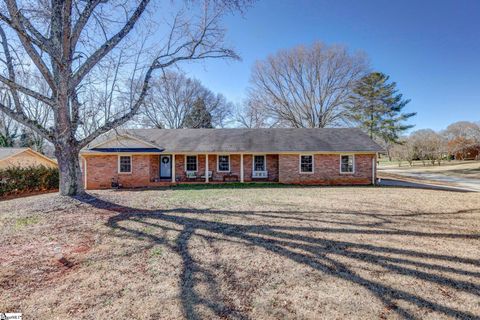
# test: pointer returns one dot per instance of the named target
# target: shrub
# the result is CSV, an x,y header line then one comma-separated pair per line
x,y
16,180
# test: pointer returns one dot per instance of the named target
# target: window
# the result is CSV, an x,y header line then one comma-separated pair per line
x,y
224,163
124,164
191,163
346,164
306,164
259,163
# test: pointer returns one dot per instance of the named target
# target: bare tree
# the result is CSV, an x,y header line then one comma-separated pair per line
x,y
251,115
306,86
34,109
9,128
68,41
172,99
428,145
404,151
217,105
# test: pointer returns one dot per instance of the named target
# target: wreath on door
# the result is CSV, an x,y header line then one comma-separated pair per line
x,y
165,160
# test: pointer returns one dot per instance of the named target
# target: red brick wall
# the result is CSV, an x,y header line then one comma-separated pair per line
x,y
140,175
272,168
154,167
326,170
101,170
247,167
212,166
180,166
283,168
234,166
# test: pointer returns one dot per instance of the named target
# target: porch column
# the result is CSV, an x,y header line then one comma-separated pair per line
x,y
206,169
241,167
173,168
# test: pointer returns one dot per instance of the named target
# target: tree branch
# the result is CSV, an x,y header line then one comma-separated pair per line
x,y
15,86
32,124
39,40
11,71
27,43
108,45
134,109
25,22
129,115
75,114
82,20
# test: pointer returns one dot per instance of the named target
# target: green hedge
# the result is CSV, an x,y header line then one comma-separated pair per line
x,y
16,180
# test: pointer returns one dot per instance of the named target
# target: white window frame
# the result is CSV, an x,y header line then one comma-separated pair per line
x,y
119,167
218,162
196,159
264,162
300,163
353,163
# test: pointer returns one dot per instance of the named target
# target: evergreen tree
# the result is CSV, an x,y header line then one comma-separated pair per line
x,y
25,140
199,116
28,139
7,137
377,107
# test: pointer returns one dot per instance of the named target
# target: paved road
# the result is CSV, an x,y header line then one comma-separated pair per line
x,y
463,183
419,185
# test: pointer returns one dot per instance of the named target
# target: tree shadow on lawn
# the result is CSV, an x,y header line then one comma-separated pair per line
x,y
318,254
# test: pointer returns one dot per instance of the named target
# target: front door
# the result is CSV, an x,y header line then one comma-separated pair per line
x,y
165,166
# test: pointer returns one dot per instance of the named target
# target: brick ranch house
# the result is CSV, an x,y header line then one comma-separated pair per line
x,y
155,157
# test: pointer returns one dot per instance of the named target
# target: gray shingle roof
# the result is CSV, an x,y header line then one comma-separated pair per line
x,y
255,140
7,152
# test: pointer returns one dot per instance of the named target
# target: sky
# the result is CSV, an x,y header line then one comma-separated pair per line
x,y
430,48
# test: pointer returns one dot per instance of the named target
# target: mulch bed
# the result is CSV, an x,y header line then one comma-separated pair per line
x,y
26,194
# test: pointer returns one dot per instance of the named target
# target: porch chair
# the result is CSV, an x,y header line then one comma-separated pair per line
x,y
210,175
191,175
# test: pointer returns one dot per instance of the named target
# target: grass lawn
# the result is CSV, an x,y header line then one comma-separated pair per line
x,y
464,169
241,253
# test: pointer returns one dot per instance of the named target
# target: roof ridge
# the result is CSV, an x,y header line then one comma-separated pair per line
x,y
346,139
339,128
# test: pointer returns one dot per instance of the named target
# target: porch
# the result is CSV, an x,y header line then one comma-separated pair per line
x,y
212,168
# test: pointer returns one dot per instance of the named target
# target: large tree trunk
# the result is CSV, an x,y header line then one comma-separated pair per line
x,y
70,173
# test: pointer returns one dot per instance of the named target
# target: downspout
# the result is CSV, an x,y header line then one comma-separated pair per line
x,y
85,172
374,162
173,169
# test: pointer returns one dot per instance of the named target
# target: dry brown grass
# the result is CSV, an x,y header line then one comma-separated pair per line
x,y
263,253
462,169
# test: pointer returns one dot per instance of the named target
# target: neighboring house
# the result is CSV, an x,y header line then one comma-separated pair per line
x,y
470,153
24,157
464,149
154,157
